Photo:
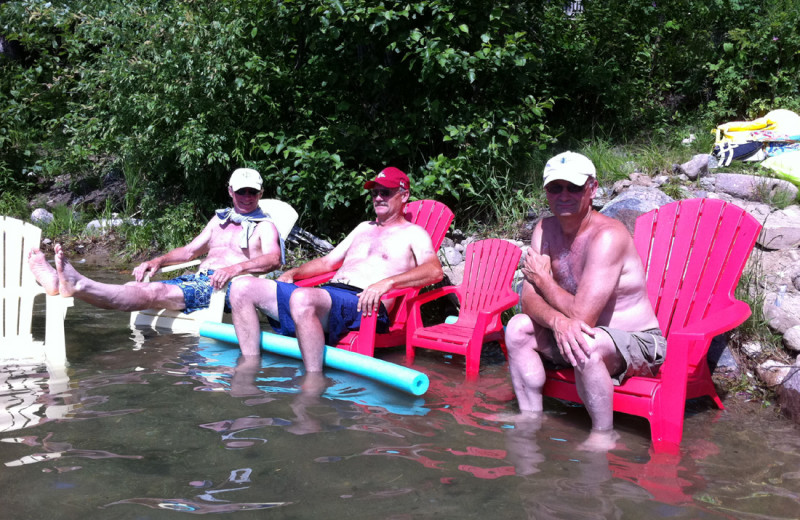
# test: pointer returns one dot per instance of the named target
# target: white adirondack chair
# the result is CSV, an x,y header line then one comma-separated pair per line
x,y
284,217
19,288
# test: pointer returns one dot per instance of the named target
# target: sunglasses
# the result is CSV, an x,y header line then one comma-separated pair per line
x,y
247,191
385,193
555,189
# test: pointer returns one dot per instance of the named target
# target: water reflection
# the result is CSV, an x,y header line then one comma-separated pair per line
x,y
154,424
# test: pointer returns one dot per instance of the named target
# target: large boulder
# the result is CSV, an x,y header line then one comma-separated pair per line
x,y
632,203
789,394
781,229
754,187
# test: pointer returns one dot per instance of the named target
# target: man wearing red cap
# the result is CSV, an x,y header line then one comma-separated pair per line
x,y
584,303
376,257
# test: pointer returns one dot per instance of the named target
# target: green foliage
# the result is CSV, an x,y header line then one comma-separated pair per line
x,y
321,95
758,66
13,205
66,221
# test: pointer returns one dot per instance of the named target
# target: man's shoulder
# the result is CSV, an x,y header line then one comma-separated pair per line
x,y
605,226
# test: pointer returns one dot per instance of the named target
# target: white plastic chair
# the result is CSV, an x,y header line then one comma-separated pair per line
x,y
19,288
283,216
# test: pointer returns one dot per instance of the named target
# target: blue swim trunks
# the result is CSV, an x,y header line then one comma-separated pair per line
x,y
197,290
344,314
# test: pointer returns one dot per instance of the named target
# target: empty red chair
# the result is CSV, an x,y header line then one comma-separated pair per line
x,y
483,295
435,217
694,252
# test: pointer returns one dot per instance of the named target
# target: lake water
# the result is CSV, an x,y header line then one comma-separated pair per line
x,y
143,425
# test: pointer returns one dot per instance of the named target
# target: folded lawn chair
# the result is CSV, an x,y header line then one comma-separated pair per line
x,y
19,288
694,252
435,217
283,216
483,295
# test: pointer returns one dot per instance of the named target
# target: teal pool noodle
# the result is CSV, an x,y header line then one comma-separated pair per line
x,y
396,376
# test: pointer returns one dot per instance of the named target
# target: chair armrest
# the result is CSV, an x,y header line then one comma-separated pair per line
x,y
315,280
501,305
716,323
175,267
432,295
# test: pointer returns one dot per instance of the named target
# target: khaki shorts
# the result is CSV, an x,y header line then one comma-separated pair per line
x,y
643,353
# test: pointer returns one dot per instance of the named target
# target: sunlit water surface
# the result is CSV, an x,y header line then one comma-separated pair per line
x,y
145,425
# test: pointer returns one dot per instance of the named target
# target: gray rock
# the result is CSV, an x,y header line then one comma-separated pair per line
x,y
708,183
454,273
719,355
778,319
781,229
41,216
789,394
452,257
791,338
772,372
754,187
634,202
105,223
696,167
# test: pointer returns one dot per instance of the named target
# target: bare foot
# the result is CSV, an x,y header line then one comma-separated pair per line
x,y
600,441
43,272
68,277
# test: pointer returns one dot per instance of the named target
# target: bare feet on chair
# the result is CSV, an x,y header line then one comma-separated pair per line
x,y
68,277
43,272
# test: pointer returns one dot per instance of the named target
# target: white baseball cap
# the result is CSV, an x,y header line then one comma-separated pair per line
x,y
245,178
569,166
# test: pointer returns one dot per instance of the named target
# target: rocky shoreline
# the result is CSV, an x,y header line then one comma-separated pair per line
x,y
740,364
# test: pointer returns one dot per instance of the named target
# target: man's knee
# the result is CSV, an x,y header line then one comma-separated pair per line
x,y
520,332
305,300
245,291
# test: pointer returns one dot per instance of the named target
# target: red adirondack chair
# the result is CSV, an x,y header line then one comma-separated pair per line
x,y
435,217
484,294
694,252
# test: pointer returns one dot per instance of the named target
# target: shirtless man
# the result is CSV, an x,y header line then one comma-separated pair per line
x,y
235,241
584,302
376,257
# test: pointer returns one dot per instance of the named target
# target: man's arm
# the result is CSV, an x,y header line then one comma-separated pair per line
x,y
427,271
602,269
267,261
324,264
198,246
569,330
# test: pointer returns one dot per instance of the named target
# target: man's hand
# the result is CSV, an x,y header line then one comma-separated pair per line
x,y
222,276
536,267
147,268
287,276
369,300
569,336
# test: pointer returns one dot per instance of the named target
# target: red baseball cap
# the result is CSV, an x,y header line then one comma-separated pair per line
x,y
390,177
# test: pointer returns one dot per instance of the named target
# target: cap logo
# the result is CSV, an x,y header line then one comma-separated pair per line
x,y
381,175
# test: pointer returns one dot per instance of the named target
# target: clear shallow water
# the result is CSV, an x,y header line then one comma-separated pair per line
x,y
145,425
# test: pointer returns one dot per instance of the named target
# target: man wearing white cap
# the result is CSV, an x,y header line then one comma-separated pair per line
x,y
238,240
377,256
584,302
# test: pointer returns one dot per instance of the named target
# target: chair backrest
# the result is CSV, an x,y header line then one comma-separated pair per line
x,y
489,267
283,215
694,252
17,284
434,216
